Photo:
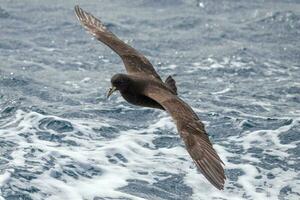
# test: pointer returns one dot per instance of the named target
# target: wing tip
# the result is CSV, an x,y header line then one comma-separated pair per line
x,y
76,8
89,21
217,179
78,12
221,187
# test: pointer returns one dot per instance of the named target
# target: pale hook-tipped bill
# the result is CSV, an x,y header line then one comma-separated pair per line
x,y
110,91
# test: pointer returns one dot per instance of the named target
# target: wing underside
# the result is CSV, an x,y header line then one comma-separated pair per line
x,y
135,62
193,133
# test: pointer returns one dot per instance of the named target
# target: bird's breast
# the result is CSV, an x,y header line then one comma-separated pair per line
x,y
140,100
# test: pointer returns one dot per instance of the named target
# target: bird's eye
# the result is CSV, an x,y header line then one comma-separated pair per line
x,y
118,82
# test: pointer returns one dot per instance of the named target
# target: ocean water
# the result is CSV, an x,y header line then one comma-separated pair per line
x,y
237,63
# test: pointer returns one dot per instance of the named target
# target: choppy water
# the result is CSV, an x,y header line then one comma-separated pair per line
x,y
236,62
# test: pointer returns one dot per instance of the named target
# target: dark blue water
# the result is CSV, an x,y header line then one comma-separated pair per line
x,y
236,62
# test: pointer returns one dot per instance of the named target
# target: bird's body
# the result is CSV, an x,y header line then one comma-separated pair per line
x,y
134,94
142,86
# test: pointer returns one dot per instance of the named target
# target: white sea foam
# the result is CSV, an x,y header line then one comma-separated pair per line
x,y
96,152
4,178
222,91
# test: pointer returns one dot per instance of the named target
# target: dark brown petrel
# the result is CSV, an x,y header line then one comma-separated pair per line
x,y
142,86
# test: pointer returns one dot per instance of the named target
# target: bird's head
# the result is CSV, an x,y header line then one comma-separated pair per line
x,y
119,82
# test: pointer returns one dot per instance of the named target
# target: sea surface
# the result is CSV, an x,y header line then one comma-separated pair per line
x,y
237,63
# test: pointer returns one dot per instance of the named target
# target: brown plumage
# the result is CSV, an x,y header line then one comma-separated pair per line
x,y
143,86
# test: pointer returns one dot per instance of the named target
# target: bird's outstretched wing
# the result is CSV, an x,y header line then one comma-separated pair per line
x,y
135,62
193,133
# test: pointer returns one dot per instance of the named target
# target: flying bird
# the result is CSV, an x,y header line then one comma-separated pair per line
x,y
142,86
